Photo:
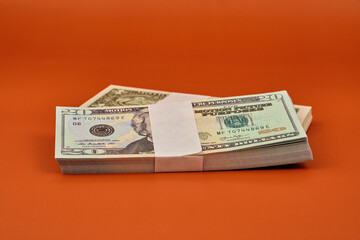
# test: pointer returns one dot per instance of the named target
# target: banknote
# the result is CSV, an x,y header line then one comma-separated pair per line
x,y
223,124
304,114
115,95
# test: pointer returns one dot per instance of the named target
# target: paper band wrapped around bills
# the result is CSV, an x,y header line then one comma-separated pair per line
x,y
179,164
175,136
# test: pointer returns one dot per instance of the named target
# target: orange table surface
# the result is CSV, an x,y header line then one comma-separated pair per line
x,y
61,53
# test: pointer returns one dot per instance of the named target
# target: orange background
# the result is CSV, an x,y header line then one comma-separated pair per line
x,y
61,53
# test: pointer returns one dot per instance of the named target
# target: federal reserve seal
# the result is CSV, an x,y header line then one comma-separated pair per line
x,y
236,121
102,130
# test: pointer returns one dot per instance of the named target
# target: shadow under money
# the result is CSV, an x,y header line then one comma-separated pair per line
x,y
279,167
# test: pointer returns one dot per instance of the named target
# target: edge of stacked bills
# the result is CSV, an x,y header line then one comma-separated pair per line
x,y
235,133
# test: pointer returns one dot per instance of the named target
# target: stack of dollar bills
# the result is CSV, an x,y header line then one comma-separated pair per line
x,y
113,132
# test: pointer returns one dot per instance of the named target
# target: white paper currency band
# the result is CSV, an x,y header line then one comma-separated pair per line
x,y
174,130
179,164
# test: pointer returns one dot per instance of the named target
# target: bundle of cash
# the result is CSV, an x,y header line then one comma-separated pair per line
x,y
113,133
